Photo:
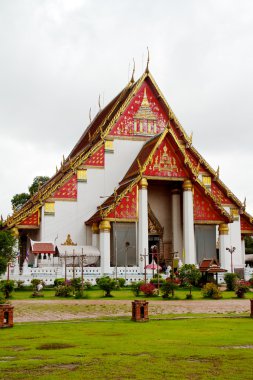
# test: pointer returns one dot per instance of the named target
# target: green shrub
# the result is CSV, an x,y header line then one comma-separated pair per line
x,y
7,287
168,287
107,284
19,285
189,274
231,280
211,290
59,281
135,286
76,283
121,282
63,291
241,289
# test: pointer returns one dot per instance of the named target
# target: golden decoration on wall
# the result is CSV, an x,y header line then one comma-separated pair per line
x,y
68,241
82,175
49,208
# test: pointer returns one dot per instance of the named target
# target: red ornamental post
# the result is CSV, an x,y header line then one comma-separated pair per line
x,y
6,315
140,311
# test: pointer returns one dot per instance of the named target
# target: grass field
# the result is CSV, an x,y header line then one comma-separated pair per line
x,y
196,349
123,294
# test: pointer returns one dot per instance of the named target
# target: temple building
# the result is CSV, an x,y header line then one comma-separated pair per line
x,y
132,182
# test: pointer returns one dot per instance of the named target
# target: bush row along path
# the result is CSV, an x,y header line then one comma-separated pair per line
x,y
57,310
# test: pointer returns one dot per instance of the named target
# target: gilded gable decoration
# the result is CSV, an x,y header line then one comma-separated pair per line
x,y
207,180
235,213
68,241
154,227
143,116
109,146
82,175
49,208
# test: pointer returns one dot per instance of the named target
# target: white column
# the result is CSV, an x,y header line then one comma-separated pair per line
x,y
224,242
188,224
95,235
36,261
243,249
104,243
143,222
177,233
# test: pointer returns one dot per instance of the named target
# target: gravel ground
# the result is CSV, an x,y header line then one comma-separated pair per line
x,y
45,310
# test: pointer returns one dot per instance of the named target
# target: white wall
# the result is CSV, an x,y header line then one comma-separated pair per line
x,y
70,216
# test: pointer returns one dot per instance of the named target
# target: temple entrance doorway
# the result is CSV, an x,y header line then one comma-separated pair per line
x,y
153,240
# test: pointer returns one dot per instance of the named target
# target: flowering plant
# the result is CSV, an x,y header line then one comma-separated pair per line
x,y
147,289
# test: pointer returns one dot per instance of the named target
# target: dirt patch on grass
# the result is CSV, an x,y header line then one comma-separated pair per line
x,y
54,346
57,310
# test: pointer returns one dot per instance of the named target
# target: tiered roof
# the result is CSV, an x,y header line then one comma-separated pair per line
x,y
99,130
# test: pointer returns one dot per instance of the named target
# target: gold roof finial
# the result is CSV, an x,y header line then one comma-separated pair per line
x,y
147,68
56,169
90,114
217,173
99,104
63,159
190,138
244,203
132,78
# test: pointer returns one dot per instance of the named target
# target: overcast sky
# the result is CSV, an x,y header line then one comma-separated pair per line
x,y
57,56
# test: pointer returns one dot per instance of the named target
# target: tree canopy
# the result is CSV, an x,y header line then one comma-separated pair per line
x,y
248,244
7,249
19,200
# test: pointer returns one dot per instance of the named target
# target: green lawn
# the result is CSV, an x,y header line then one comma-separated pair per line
x,y
123,294
194,349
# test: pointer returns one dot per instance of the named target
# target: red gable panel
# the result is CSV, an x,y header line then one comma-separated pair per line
x,y
68,190
220,195
194,160
127,207
165,163
203,209
32,220
246,226
144,116
97,159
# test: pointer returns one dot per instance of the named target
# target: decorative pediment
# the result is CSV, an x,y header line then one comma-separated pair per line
x,y
144,115
165,163
68,191
246,226
126,208
97,159
204,211
32,221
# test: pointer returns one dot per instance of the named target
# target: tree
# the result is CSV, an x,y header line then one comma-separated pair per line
x,y
231,280
7,249
107,284
248,244
189,274
19,200
37,182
